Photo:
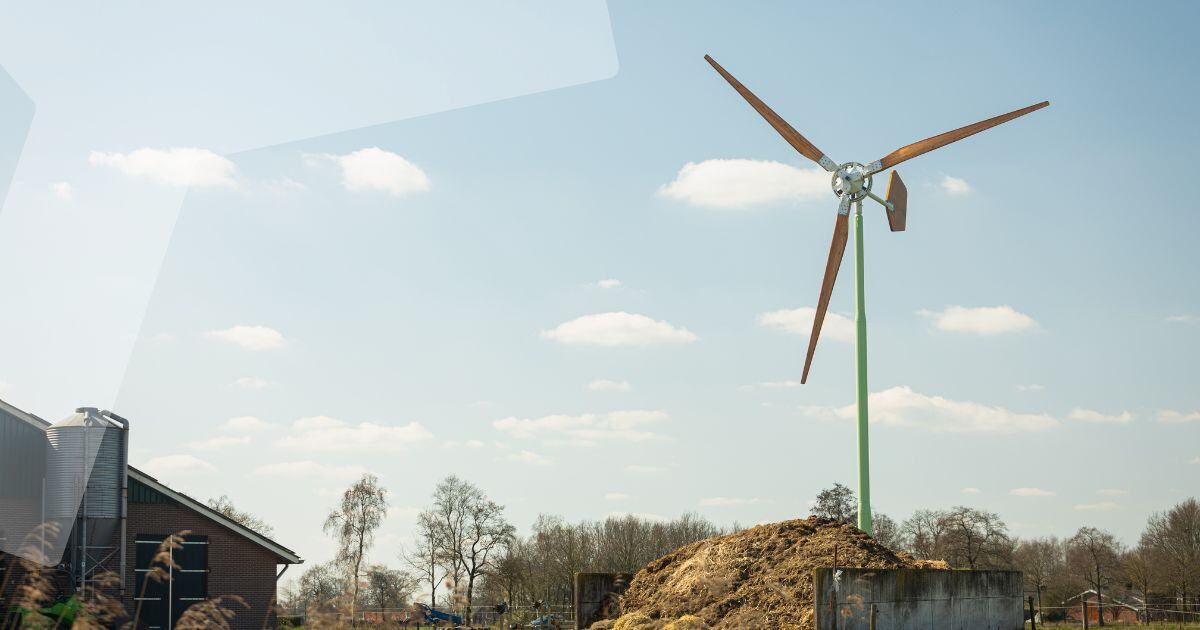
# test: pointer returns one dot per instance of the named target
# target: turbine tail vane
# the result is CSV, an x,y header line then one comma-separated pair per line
x,y
897,198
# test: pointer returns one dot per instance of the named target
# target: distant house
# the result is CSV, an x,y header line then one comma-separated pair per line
x,y
1115,610
217,558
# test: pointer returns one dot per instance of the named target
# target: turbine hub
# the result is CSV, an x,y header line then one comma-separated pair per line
x,y
852,179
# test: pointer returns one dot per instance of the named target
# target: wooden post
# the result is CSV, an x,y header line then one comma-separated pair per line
x,y
874,614
1083,604
1032,615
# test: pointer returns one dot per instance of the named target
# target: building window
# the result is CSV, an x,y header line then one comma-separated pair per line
x,y
159,603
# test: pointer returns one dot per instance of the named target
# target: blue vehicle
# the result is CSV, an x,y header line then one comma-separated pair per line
x,y
546,622
433,616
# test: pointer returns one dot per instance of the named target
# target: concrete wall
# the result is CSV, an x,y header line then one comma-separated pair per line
x,y
918,599
596,596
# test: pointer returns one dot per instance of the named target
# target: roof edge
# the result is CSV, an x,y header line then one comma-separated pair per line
x,y
279,550
25,416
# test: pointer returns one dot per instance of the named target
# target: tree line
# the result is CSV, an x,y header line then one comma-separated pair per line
x,y
1159,574
467,553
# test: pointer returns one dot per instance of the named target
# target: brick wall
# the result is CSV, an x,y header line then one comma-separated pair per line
x,y
236,566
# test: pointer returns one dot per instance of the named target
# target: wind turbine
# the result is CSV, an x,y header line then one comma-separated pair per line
x,y
852,183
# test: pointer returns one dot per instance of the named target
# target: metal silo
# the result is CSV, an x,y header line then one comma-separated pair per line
x,y
85,488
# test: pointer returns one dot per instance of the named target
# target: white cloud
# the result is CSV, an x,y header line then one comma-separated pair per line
x,y
1088,415
776,384
325,434
455,444
177,465
376,169
1096,507
641,469
219,442
309,469
252,382
282,186
970,490
5,388
1170,416
727,501
983,320
317,422
605,385
250,337
1196,460
1031,387
617,329
529,457
1112,492
246,424
615,496
738,183
1030,492
175,167
901,407
585,429
642,515
1184,319
609,283
955,186
799,321
61,190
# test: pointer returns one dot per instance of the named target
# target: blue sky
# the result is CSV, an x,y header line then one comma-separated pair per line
x,y
533,290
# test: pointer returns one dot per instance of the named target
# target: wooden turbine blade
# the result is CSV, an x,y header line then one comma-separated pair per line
x,y
925,146
789,133
841,230
897,195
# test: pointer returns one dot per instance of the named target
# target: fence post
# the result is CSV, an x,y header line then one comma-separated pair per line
x,y
1032,617
1083,603
874,614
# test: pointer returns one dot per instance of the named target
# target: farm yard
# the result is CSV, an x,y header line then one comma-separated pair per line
x,y
547,315
731,577
466,564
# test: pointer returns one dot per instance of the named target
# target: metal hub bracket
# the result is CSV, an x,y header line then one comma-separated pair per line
x,y
853,180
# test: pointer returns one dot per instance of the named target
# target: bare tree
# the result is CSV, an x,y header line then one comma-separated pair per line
x,y
224,506
837,503
924,532
425,559
386,588
975,539
485,531
449,512
887,532
1174,536
1140,567
319,586
354,523
1041,560
1094,556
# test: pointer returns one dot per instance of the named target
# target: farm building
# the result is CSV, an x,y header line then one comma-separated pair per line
x,y
113,520
1115,610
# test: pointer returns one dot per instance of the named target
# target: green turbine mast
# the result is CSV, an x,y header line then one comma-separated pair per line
x,y
852,183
